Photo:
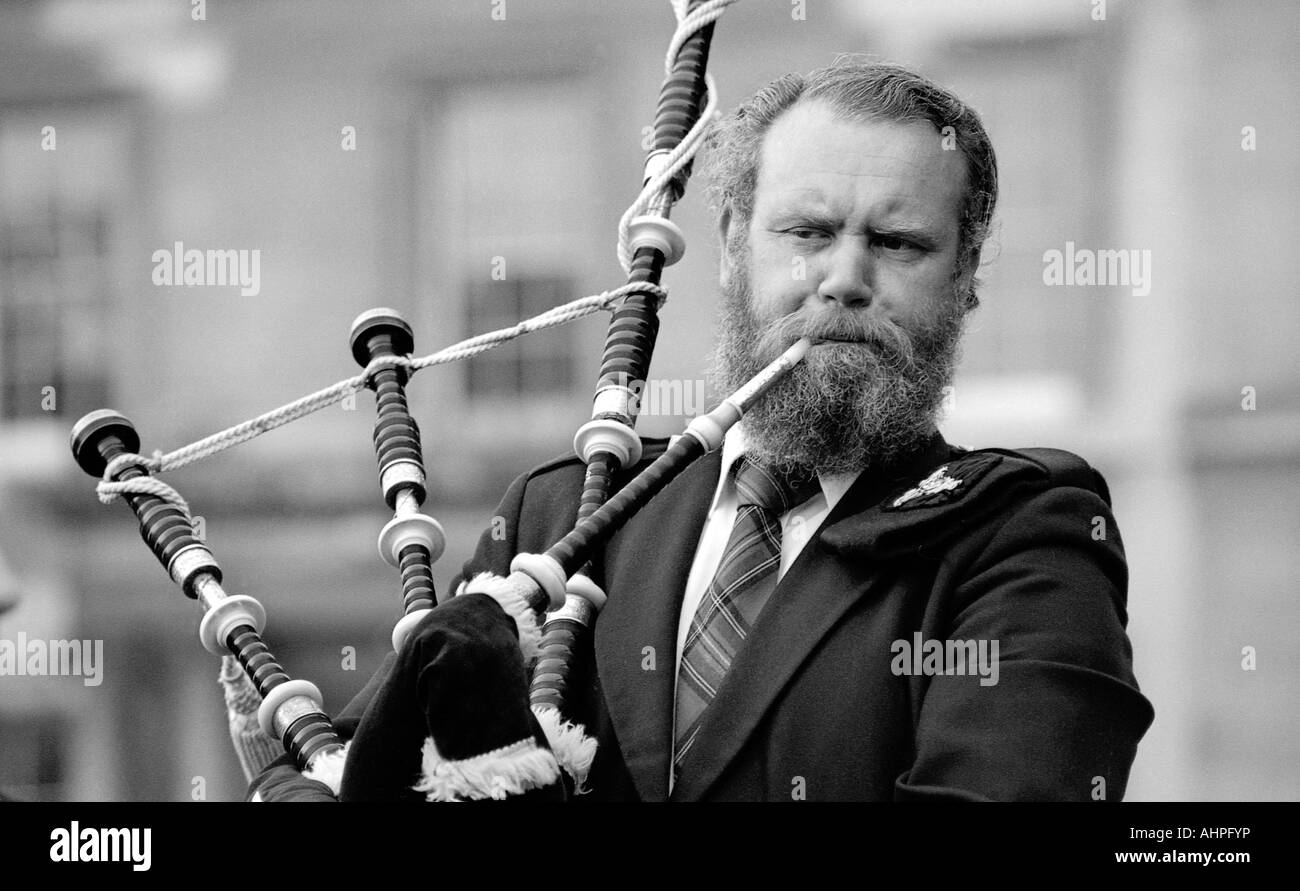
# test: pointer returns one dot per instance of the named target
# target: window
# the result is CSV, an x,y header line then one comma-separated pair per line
x,y
540,363
507,211
51,343
56,219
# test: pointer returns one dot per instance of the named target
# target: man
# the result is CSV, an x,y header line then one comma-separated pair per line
x,y
840,605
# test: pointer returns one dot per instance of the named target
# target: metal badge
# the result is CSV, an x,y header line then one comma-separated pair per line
x,y
939,481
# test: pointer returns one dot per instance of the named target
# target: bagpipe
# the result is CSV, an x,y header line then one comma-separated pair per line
x,y
482,640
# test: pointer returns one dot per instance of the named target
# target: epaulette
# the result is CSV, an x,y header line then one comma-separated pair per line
x,y
922,517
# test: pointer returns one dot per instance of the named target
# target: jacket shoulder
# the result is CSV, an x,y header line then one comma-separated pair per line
x,y
972,490
1066,469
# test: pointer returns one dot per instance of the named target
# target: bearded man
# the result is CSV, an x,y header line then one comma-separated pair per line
x,y
838,604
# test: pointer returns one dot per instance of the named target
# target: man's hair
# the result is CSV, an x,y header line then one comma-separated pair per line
x,y
863,90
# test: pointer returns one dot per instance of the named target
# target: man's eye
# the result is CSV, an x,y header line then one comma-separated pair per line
x,y
890,243
806,233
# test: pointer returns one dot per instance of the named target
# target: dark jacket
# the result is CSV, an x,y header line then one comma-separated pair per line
x,y
821,704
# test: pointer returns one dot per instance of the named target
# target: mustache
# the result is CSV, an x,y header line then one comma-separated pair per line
x,y
889,339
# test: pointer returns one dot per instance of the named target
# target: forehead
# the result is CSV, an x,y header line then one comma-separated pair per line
x,y
812,155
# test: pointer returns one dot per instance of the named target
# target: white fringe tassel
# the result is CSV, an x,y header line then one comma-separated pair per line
x,y
253,747
511,770
328,768
511,593
573,749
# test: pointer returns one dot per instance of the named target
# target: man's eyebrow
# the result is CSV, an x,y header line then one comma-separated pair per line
x,y
805,216
811,215
912,231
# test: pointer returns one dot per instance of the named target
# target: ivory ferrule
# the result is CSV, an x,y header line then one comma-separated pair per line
x,y
615,399
401,475
655,163
608,435
411,529
576,609
655,230
225,616
581,585
710,429
285,704
405,625
187,562
546,573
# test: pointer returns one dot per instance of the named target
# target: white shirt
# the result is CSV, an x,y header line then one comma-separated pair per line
x,y
797,526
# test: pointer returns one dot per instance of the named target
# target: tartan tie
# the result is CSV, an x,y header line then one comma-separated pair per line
x,y
745,579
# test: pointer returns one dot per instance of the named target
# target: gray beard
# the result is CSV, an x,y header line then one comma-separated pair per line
x,y
847,406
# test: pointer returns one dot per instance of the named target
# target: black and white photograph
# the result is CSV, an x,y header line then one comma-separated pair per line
x,y
649,401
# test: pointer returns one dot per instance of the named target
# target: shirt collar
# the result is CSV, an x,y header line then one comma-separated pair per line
x,y
734,446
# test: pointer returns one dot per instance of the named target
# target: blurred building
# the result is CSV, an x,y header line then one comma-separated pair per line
x,y
468,169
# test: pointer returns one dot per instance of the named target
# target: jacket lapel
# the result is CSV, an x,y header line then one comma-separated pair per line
x,y
646,569
817,590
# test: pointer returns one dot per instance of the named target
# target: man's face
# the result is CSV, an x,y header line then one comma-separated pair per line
x,y
859,216
853,238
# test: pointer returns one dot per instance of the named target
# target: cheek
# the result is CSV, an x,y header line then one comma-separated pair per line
x,y
777,286
910,293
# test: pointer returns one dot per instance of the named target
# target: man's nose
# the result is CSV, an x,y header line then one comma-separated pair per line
x,y
847,274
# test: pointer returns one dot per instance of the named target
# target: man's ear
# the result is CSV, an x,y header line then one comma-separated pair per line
x,y
724,233
966,280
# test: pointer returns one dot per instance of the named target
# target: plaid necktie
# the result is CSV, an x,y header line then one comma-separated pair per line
x,y
745,579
